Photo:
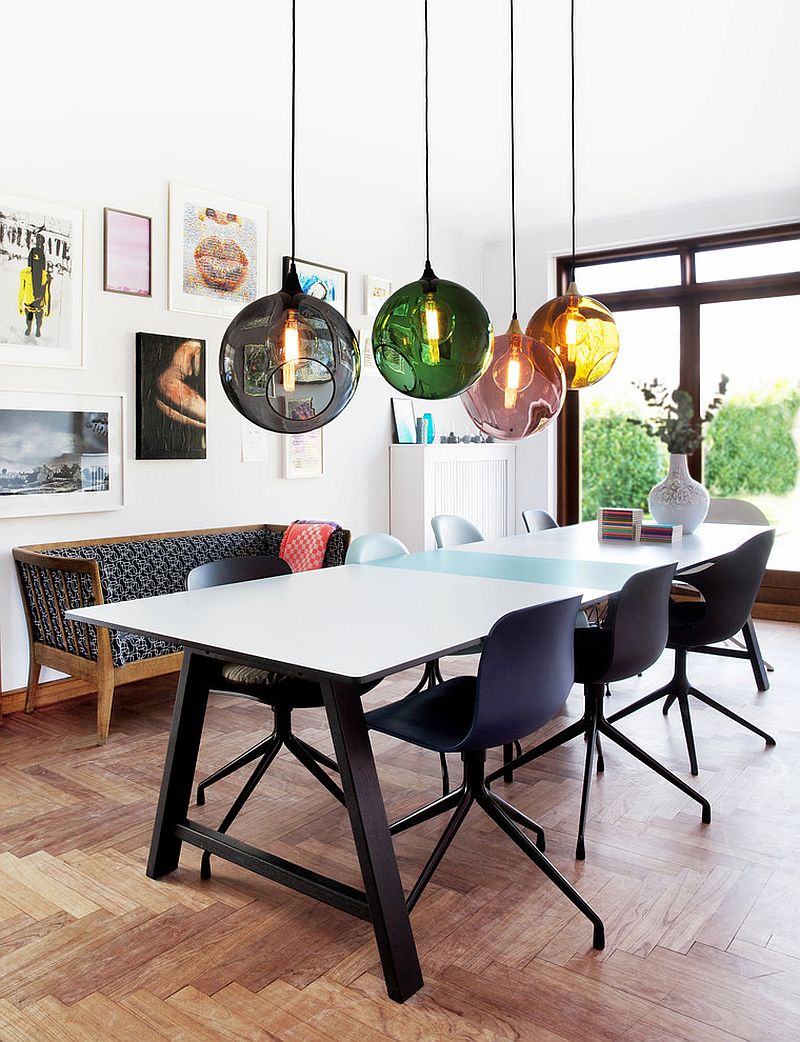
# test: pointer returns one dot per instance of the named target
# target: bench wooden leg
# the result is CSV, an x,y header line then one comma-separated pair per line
x,y
34,672
105,698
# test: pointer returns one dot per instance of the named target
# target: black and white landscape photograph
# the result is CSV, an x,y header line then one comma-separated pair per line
x,y
45,451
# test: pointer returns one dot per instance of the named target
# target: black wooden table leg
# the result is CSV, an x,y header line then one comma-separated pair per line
x,y
387,906
184,742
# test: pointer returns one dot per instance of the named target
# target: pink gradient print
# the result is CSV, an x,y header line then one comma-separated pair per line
x,y
127,253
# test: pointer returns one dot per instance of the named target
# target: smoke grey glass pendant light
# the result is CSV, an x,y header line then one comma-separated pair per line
x,y
581,331
290,362
432,338
523,388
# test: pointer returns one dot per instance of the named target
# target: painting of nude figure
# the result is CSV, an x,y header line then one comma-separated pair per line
x,y
170,397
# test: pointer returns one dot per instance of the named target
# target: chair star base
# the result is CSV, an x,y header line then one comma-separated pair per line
x,y
474,791
594,723
678,690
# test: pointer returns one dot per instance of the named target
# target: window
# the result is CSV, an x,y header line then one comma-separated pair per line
x,y
687,312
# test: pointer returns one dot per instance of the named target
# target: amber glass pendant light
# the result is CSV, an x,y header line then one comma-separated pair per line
x,y
581,331
432,338
290,362
523,388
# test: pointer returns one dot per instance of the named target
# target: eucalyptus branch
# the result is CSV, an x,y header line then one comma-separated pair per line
x,y
673,419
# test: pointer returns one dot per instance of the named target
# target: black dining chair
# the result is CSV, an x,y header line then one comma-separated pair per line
x,y
632,638
281,693
728,588
537,520
524,678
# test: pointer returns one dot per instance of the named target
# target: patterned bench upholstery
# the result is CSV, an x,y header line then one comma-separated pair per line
x,y
54,578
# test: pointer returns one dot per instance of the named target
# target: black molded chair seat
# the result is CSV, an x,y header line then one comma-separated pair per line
x,y
523,679
633,639
729,588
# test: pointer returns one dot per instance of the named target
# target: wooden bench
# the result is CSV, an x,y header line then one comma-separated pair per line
x,y
55,577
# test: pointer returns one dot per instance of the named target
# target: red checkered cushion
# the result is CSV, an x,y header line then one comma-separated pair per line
x,y
304,543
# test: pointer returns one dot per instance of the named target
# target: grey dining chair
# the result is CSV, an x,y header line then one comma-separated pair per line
x,y
451,530
538,520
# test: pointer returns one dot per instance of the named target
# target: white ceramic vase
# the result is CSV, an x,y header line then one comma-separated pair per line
x,y
679,499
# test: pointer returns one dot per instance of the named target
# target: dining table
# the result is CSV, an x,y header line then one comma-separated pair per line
x,y
346,628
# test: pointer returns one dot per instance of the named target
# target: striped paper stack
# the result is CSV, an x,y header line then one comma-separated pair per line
x,y
652,533
619,523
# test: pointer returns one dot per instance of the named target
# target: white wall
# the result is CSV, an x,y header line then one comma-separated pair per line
x,y
93,124
536,264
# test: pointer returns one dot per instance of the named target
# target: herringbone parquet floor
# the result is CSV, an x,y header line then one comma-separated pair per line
x,y
703,922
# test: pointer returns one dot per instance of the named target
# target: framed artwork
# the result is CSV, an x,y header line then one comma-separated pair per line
x,y
60,453
368,366
170,397
405,424
217,252
302,453
41,283
319,280
127,253
376,293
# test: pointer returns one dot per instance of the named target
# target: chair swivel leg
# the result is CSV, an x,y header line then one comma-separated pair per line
x,y
313,767
760,667
320,757
546,866
702,697
516,815
251,754
686,718
588,771
579,727
439,851
431,810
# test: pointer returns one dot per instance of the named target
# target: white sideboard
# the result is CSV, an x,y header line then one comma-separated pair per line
x,y
475,481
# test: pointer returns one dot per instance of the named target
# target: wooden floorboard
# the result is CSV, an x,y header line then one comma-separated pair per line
x,y
702,922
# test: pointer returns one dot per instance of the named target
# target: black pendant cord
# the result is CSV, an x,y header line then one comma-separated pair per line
x,y
427,156
572,123
294,105
513,170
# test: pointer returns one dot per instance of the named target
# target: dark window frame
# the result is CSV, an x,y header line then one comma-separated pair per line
x,y
688,297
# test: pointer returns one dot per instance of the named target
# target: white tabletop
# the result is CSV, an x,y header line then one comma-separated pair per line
x,y
580,543
355,621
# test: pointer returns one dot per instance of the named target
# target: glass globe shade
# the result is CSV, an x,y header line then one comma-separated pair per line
x,y
582,332
432,338
289,362
501,403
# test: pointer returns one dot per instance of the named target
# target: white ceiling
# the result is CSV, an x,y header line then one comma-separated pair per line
x,y
679,102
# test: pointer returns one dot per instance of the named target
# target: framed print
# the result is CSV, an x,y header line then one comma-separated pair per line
x,y
41,283
127,253
217,252
302,453
321,281
405,424
60,453
170,397
376,293
368,366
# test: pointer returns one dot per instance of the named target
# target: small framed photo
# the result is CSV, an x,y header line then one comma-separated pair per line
x,y
127,253
302,453
405,424
61,453
170,397
321,281
368,366
376,293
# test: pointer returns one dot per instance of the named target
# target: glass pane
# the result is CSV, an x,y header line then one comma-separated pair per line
x,y
743,262
640,273
752,448
620,462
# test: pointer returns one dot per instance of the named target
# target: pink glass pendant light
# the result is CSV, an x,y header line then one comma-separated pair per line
x,y
523,388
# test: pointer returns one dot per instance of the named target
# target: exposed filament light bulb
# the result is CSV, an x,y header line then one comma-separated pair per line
x,y
432,333
570,328
513,371
291,351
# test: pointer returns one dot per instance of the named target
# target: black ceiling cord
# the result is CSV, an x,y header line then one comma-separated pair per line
x,y
294,104
427,156
572,123
513,169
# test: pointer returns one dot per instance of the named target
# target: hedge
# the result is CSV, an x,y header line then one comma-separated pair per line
x,y
620,461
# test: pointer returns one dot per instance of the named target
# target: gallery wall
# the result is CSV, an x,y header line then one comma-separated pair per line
x,y
112,127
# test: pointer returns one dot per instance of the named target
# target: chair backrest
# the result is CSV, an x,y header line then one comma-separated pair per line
x,y
735,512
235,570
374,546
639,623
538,520
452,530
729,588
525,673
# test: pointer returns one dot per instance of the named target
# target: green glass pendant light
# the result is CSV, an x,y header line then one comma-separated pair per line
x,y
432,338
